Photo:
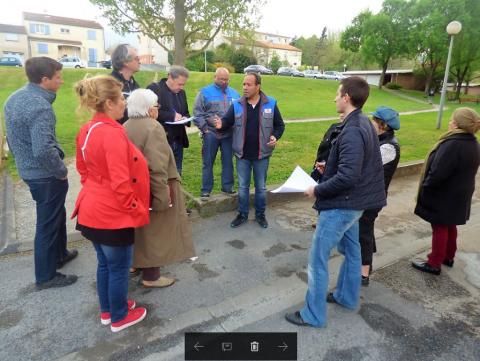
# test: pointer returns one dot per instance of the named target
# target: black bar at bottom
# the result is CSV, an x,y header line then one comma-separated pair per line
x,y
241,346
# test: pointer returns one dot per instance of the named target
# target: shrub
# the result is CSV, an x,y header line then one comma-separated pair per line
x,y
275,63
394,86
242,58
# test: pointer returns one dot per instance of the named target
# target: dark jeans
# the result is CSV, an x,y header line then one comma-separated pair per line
x,y
112,279
50,244
177,149
367,235
244,173
209,152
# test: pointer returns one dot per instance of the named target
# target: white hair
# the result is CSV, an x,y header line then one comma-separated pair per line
x,y
140,101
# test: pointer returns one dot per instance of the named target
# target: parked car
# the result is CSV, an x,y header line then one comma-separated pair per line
x,y
258,69
72,62
315,74
105,64
333,75
289,72
10,61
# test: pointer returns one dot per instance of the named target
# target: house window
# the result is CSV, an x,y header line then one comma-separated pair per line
x,y
40,29
42,48
92,34
11,37
92,55
65,31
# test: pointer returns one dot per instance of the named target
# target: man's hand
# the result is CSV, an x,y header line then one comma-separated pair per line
x,y
320,167
310,192
178,117
273,141
217,121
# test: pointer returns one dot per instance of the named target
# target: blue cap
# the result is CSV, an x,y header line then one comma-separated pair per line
x,y
388,116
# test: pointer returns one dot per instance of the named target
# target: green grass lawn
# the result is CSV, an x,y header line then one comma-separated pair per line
x,y
297,98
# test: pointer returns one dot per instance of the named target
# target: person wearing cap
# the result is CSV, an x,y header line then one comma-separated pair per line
x,y
446,187
385,121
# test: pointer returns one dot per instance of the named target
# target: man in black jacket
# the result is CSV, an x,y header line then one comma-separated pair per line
x,y
125,63
173,107
352,182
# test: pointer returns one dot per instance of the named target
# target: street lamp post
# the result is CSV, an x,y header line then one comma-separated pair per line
x,y
453,28
205,59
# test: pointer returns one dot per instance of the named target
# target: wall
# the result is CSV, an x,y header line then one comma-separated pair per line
x,y
20,46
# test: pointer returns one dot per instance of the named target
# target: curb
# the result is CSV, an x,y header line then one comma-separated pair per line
x,y
7,216
221,203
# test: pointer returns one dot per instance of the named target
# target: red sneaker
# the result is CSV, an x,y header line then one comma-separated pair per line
x,y
133,317
105,316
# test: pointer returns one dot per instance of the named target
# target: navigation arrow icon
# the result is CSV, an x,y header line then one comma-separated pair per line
x,y
197,346
283,347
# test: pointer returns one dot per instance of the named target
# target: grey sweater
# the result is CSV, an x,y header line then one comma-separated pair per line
x,y
30,125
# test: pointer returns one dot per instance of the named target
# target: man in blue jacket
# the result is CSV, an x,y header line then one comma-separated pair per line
x,y
212,100
257,125
352,182
30,124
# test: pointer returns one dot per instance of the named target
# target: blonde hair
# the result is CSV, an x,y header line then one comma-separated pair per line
x,y
95,91
467,119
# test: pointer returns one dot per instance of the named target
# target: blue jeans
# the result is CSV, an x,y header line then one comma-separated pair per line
x,y
209,152
244,173
335,227
177,149
50,244
112,279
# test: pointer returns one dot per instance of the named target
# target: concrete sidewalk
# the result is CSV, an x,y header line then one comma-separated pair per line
x,y
245,280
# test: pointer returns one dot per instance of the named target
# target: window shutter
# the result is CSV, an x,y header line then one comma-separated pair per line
x,y
47,29
32,28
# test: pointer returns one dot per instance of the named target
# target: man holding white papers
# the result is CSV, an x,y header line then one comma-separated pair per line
x,y
173,107
215,99
352,182
257,125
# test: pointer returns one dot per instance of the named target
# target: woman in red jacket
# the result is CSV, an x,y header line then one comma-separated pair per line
x,y
114,196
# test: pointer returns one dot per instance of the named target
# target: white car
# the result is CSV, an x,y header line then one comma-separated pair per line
x,y
334,75
72,62
315,74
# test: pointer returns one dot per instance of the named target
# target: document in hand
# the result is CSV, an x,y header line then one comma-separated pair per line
x,y
183,121
298,182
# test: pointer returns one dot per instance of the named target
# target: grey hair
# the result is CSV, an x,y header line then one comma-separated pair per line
x,y
139,103
121,55
177,70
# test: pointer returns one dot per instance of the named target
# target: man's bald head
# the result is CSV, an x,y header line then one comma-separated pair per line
x,y
222,77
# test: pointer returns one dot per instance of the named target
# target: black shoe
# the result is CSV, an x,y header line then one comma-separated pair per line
x,y
239,220
330,298
365,281
59,280
67,258
296,319
261,220
448,262
205,195
231,192
425,267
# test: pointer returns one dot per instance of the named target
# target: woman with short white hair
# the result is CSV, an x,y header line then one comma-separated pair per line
x,y
167,239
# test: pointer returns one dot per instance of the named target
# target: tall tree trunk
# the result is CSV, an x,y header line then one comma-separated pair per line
x,y
382,76
180,19
467,85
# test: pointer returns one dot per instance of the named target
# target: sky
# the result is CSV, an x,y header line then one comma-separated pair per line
x,y
284,17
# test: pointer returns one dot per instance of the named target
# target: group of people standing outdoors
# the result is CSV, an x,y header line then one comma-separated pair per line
x,y
130,154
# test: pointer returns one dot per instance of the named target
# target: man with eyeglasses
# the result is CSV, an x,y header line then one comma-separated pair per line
x,y
125,63
214,100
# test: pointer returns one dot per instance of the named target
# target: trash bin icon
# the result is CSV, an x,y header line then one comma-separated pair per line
x,y
254,346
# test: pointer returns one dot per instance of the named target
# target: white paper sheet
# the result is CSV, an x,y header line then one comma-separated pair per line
x,y
183,121
298,182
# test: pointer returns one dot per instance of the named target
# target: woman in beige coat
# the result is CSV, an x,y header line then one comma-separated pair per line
x,y
167,239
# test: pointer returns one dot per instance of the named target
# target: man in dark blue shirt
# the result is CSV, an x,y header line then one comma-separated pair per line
x,y
257,125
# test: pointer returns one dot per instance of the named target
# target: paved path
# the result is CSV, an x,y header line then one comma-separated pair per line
x,y
245,280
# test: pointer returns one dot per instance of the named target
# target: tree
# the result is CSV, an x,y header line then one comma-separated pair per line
x,y
275,63
428,38
466,54
380,37
242,58
179,24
